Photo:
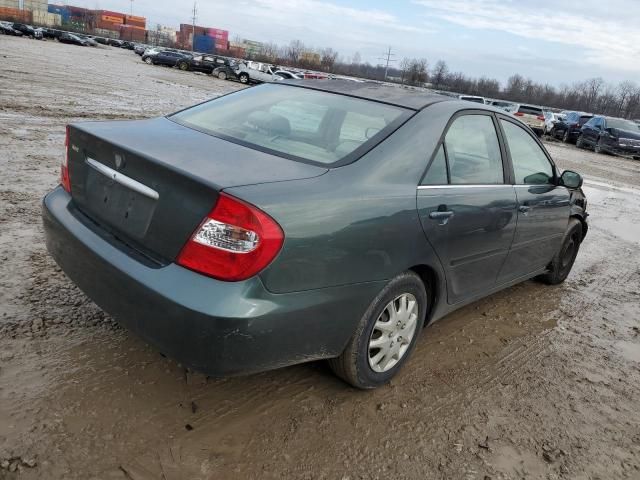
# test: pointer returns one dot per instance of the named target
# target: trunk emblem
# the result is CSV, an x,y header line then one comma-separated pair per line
x,y
119,161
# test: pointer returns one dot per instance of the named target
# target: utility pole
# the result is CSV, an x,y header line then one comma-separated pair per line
x,y
132,8
388,59
193,34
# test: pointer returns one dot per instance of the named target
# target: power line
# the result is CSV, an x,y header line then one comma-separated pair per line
x,y
388,59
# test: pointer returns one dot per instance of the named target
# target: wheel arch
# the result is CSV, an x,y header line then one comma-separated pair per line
x,y
583,223
432,284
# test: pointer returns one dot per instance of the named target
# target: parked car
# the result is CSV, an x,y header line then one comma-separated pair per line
x,y
287,74
90,41
201,63
295,222
6,28
101,40
569,128
550,119
248,74
38,33
72,39
114,42
128,45
472,98
610,135
530,115
164,57
139,49
27,30
225,72
504,105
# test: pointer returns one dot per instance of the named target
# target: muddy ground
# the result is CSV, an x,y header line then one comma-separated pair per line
x,y
534,382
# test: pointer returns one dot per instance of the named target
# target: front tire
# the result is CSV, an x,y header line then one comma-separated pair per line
x,y
183,66
148,61
222,75
598,146
580,142
244,78
386,335
563,261
565,137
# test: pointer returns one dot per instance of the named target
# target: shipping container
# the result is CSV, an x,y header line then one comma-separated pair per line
x,y
35,5
112,19
107,25
15,4
203,43
15,15
46,19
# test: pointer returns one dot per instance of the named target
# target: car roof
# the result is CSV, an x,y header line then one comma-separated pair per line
x,y
399,96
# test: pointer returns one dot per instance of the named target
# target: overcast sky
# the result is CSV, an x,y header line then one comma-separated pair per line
x,y
555,41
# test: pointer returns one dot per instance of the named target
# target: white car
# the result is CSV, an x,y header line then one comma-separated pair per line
x,y
550,119
472,98
530,115
248,73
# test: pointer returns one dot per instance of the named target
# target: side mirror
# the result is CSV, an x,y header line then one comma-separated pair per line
x,y
571,179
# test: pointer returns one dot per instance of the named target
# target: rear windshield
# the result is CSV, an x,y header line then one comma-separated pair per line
x,y
296,123
473,99
526,109
584,119
622,124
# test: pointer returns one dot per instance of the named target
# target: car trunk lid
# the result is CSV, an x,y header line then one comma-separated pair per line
x,y
150,183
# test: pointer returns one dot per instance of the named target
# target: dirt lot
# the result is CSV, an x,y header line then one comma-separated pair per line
x,y
535,382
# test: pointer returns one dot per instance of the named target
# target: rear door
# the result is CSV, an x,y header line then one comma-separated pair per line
x,y
543,206
467,209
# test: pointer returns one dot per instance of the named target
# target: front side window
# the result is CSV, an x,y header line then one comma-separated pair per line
x,y
473,151
531,166
297,123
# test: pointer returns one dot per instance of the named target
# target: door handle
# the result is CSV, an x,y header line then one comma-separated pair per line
x,y
442,217
524,209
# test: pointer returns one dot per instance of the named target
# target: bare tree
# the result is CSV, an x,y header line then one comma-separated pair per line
x,y
294,50
328,58
439,74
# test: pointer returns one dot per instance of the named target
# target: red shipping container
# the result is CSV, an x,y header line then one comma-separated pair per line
x,y
109,13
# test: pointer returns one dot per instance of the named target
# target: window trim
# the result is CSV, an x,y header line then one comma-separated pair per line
x,y
529,132
507,173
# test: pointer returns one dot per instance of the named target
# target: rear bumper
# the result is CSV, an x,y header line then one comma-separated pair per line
x,y
219,328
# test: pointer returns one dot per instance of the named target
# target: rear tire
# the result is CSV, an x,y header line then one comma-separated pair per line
x,y
222,75
562,262
148,61
378,350
565,137
580,142
244,78
183,66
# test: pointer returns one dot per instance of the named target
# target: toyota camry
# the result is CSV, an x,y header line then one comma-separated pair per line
x,y
308,220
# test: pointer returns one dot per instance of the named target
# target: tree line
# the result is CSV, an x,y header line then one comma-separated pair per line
x,y
592,95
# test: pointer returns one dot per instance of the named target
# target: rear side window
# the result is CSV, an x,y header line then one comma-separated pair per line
x,y
473,151
297,123
531,166
584,119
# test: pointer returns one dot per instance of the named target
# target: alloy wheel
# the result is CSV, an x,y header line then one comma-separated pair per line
x,y
393,332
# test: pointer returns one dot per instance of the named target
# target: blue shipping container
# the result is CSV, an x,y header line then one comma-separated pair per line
x,y
203,44
60,10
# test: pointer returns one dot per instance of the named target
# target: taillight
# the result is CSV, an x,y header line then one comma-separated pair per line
x,y
64,166
540,117
519,114
234,242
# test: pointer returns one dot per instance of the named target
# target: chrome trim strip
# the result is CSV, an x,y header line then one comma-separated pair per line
x,y
428,187
123,179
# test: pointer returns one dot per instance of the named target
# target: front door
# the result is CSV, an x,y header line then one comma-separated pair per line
x,y
467,210
543,206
